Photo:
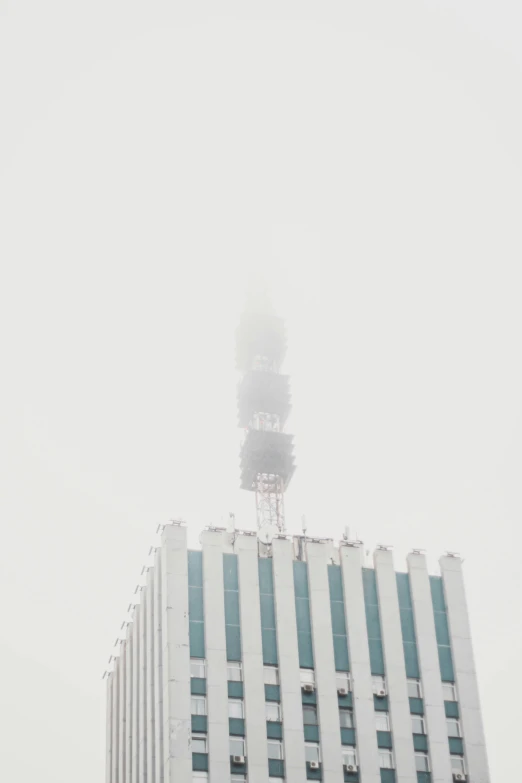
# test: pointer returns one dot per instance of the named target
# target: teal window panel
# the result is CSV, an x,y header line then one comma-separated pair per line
x,y
269,639
446,664
238,769
231,607
348,736
274,730
441,628
384,739
197,640
198,686
302,613
309,698
195,569
416,706
301,579
200,762
411,660
341,654
381,705
235,690
196,614
230,577
456,746
388,776
311,733
373,622
272,693
452,709
267,611
437,594
335,581
351,777
314,774
420,742
199,723
376,657
338,618
236,727
407,626
276,768
306,655
345,701
266,575
404,591
233,637
423,777
370,586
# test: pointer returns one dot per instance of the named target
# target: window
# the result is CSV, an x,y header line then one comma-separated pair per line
x,y
234,671
271,675
346,719
449,691
349,756
273,711
198,705
275,749
199,743
312,751
457,764
382,721
342,680
417,725
198,668
309,715
385,759
235,708
237,746
379,684
414,689
453,727
307,677
199,777
422,763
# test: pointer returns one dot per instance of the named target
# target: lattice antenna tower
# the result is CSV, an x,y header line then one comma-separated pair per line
x,y
267,458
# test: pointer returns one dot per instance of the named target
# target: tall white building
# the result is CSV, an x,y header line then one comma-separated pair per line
x,y
276,658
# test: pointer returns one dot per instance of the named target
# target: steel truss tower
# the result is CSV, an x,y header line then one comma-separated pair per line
x,y
267,461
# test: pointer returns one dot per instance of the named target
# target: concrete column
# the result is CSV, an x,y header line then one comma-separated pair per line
x,y
115,720
327,701
395,667
177,752
158,672
360,665
149,647
432,694
128,705
142,704
216,651
465,673
108,731
122,739
291,699
135,693
252,643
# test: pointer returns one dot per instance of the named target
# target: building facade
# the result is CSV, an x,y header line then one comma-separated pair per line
x,y
290,660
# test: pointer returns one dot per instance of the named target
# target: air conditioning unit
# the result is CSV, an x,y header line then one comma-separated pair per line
x,y
350,768
238,759
459,776
313,765
342,691
308,688
381,693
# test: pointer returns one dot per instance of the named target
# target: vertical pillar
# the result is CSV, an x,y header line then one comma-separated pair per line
x,y
149,648
108,730
177,752
122,739
360,665
135,693
115,720
327,701
158,673
395,667
252,644
216,650
465,673
128,704
291,699
142,774
432,694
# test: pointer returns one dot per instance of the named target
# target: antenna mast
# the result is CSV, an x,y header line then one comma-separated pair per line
x,y
267,460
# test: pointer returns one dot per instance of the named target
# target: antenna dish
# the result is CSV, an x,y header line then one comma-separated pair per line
x,y
266,533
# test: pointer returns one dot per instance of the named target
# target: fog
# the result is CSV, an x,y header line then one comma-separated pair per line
x,y
156,159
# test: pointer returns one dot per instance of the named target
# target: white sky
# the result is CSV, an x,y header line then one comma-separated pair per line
x,y
153,156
